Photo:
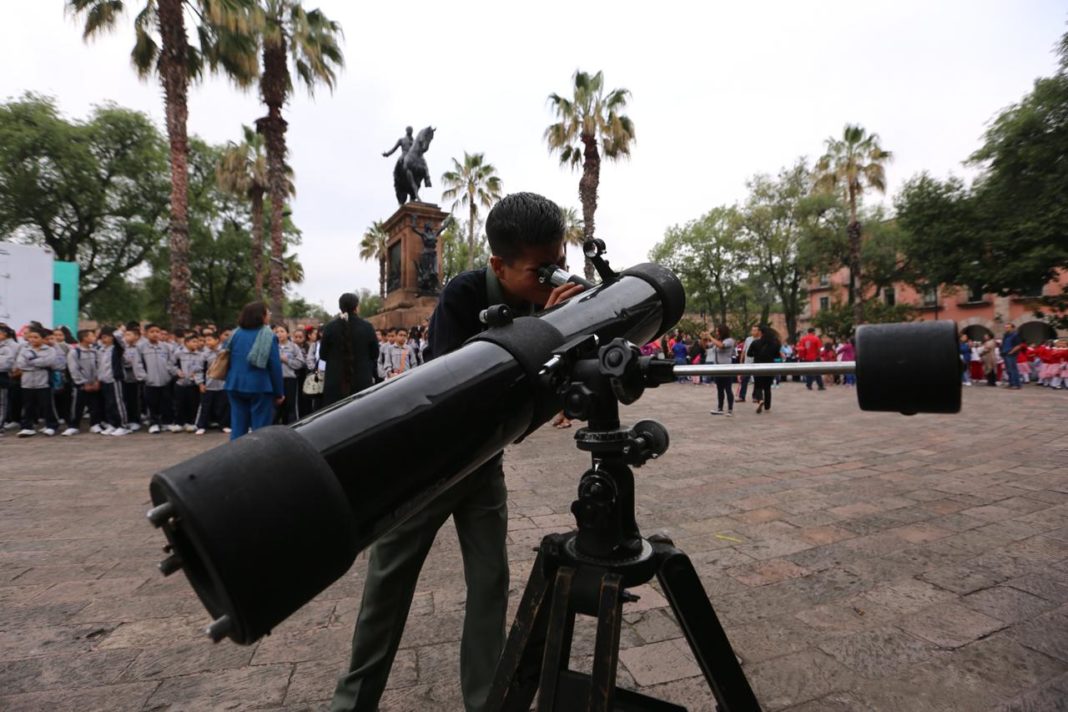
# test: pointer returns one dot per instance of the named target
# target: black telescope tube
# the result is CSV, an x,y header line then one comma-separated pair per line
x,y
263,524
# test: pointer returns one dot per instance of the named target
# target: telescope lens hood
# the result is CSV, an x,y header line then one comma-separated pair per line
x,y
259,526
668,288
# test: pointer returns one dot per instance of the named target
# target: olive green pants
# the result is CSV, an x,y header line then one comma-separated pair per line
x,y
479,508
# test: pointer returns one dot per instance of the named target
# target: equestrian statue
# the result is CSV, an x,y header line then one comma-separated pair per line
x,y
411,170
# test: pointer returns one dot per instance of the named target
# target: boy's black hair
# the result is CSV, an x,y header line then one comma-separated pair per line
x,y
131,325
107,331
82,333
191,336
180,333
39,330
149,327
523,220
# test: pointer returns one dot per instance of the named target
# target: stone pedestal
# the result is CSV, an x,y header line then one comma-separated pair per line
x,y
405,305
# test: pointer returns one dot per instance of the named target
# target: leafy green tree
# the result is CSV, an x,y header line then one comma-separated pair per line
x,y
838,321
223,279
374,246
784,219
242,172
709,256
575,235
298,307
94,191
591,122
455,251
370,304
310,40
162,47
851,165
469,185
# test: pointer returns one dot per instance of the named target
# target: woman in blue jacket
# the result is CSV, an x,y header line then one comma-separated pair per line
x,y
254,379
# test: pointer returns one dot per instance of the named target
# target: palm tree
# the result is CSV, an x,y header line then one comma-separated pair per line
x,y
310,40
590,122
469,185
161,46
373,247
575,234
853,164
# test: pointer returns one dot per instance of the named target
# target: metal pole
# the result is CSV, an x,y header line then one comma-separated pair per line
x,y
766,369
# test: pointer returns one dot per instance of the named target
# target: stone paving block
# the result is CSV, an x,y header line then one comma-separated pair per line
x,y
660,662
64,671
247,688
765,572
950,625
1050,584
906,596
151,632
1007,604
963,578
880,651
1005,667
798,677
202,656
691,693
1050,695
1045,633
130,697
920,533
19,643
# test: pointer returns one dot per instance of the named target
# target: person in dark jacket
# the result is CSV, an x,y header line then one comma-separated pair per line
x,y
350,349
764,350
254,378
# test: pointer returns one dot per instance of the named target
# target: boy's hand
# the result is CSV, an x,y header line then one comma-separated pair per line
x,y
563,293
279,400
203,389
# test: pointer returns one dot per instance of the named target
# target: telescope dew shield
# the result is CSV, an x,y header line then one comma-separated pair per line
x,y
909,368
263,524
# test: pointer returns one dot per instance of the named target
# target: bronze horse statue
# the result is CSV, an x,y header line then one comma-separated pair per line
x,y
411,170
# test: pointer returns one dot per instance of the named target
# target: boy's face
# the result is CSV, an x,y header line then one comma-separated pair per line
x,y
402,338
225,335
89,339
153,334
298,337
192,344
211,341
519,277
107,339
131,337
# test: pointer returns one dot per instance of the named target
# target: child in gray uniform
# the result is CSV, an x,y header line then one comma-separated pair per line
x,y
9,349
35,362
82,365
110,371
156,359
188,363
292,358
133,376
214,405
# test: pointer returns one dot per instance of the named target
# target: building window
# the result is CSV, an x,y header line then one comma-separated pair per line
x,y
930,297
825,303
1033,291
975,294
57,290
889,297
824,280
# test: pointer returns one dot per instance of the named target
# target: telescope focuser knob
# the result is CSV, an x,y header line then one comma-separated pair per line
x,y
497,315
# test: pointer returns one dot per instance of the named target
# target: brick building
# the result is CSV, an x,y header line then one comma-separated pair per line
x,y
975,312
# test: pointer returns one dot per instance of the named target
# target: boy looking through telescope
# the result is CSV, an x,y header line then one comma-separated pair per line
x,y
525,232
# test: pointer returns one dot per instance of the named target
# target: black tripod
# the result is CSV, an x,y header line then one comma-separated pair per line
x,y
587,571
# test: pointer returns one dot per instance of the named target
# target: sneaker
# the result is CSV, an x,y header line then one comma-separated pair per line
x,y
11,425
96,429
716,412
200,431
730,413
154,429
174,428
226,430
49,432
133,427
26,433
117,432
190,428
69,431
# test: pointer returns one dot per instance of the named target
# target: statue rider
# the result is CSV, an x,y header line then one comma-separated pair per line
x,y
403,143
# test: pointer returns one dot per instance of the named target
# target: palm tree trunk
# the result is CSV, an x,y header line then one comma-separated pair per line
x,y
173,55
471,235
274,85
591,177
257,242
855,297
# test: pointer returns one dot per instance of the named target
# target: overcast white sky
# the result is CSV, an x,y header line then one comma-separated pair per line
x,y
720,91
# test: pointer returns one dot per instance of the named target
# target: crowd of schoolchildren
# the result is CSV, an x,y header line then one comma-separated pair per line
x,y
131,377
1013,362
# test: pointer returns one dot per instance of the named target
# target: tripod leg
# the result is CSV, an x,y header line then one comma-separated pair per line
x,y
703,631
557,640
516,679
606,649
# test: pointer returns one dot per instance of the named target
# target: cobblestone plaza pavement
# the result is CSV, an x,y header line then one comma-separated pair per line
x,y
858,561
